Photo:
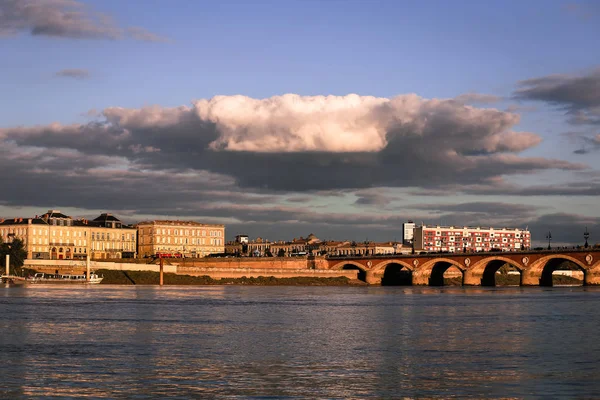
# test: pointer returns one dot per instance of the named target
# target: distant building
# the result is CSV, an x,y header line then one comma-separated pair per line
x,y
57,236
456,239
241,239
179,239
408,232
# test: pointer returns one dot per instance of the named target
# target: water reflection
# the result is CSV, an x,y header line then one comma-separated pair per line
x,y
308,342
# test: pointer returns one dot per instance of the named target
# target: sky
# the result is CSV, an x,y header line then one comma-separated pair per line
x,y
283,118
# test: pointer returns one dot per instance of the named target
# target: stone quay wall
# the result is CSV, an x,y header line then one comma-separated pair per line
x,y
219,273
79,266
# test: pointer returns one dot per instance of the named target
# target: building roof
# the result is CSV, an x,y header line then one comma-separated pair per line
x,y
55,214
105,217
178,223
22,221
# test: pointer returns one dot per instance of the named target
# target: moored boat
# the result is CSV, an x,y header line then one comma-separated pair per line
x,y
41,277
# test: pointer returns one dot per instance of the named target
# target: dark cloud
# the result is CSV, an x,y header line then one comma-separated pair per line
x,y
587,143
518,108
486,208
477,98
373,197
63,19
74,73
578,95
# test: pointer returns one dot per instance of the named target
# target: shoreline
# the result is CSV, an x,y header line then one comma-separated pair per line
x,y
122,277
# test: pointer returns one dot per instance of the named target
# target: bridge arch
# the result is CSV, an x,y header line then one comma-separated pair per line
x,y
486,269
352,265
432,272
394,272
543,268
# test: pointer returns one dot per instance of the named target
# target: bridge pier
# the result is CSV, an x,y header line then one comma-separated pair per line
x,y
471,278
530,278
372,278
419,278
591,277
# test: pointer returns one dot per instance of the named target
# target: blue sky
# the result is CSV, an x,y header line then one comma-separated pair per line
x,y
183,51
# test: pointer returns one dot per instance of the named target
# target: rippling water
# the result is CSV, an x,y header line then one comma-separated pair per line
x,y
299,342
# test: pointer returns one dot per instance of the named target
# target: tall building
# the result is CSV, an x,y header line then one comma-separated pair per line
x,y
408,232
57,236
179,239
456,239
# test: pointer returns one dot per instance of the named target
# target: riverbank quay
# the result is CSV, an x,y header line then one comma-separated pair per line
x,y
205,271
123,277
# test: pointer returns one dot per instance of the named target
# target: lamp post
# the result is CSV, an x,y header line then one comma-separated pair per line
x,y
549,237
367,247
586,235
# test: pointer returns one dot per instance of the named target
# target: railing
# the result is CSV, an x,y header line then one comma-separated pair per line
x,y
460,253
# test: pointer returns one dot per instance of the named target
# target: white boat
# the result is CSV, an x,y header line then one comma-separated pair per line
x,y
41,277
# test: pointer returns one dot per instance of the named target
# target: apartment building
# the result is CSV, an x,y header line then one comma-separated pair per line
x,y
57,236
179,239
457,239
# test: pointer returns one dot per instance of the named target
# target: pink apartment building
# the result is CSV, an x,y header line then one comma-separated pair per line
x,y
457,239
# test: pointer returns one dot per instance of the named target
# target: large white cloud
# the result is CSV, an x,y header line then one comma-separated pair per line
x,y
352,123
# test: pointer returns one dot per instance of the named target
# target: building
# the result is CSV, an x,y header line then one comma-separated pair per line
x,y
179,239
456,239
241,239
408,232
57,236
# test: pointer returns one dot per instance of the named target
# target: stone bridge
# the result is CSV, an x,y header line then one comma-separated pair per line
x,y
535,267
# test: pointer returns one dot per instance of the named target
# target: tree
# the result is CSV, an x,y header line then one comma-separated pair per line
x,y
16,251
281,252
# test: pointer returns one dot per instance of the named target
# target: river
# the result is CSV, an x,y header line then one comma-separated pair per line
x,y
299,342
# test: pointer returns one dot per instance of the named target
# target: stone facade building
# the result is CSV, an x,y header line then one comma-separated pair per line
x,y
179,239
57,236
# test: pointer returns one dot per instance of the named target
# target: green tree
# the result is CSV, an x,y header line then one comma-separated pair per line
x,y
16,251
281,253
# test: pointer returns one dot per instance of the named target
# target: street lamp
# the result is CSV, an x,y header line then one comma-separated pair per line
x,y
549,237
586,235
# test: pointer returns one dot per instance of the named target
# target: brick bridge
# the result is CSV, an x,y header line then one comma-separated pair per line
x,y
536,267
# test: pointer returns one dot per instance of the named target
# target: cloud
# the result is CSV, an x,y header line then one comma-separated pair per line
x,y
294,143
353,124
515,108
373,197
588,143
74,73
63,19
578,95
142,34
477,98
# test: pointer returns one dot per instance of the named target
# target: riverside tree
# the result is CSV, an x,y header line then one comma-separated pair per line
x,y
16,251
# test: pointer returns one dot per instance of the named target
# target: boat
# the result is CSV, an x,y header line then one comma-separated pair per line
x,y
42,277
